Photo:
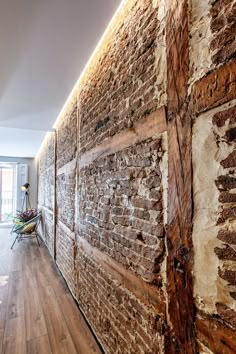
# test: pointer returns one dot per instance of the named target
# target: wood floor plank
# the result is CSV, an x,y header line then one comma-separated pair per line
x,y
37,311
56,280
58,332
35,321
82,336
15,303
14,345
1,339
40,345
15,327
14,340
3,299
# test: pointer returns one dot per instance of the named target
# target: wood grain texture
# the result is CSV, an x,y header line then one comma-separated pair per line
x,y
70,166
60,338
55,199
39,345
217,87
83,341
143,129
148,294
37,312
216,336
179,242
177,54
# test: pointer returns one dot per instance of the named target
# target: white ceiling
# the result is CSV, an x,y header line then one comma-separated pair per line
x,y
44,47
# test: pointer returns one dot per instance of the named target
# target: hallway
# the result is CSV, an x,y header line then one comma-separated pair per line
x,y
118,135
37,311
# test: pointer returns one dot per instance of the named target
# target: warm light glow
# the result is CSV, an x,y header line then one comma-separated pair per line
x,y
43,143
118,16
96,50
3,280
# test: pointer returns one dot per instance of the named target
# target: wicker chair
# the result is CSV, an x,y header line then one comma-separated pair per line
x,y
27,229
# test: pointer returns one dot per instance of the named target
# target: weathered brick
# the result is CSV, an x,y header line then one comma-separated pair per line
x,y
228,275
226,182
230,161
227,236
121,91
226,197
121,321
134,221
228,314
230,135
227,214
224,30
66,198
66,255
222,117
226,253
46,190
116,203
67,137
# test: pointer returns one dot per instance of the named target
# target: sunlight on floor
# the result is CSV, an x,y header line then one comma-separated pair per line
x,y
3,280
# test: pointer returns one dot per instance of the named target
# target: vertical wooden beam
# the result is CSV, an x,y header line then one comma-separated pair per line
x,y
179,238
55,198
0,194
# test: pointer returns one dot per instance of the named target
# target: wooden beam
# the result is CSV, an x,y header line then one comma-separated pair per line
x,y
66,229
70,166
215,335
55,199
145,128
47,210
215,88
149,294
179,241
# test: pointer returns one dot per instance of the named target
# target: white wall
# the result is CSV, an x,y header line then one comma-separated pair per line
x,y
32,170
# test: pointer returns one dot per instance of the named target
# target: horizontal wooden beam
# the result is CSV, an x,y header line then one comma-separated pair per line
x,y
145,292
147,127
66,229
215,336
215,88
70,166
44,208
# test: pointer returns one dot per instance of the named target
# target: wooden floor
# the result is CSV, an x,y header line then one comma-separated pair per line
x,y
37,312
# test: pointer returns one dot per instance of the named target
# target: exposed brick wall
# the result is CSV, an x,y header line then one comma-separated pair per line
x,y
66,251
111,195
121,91
122,322
46,181
212,35
121,207
214,216
66,198
46,189
46,174
225,136
66,143
48,230
67,135
223,27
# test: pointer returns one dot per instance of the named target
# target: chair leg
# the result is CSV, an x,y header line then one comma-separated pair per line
x,y
14,242
37,239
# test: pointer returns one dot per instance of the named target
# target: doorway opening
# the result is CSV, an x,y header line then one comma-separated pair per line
x,y
8,195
